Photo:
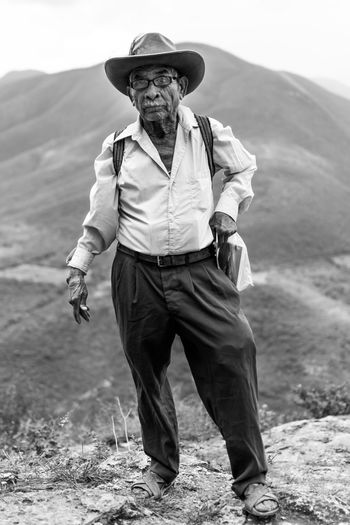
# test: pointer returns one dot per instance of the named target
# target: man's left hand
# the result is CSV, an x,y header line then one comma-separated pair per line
x,y
223,225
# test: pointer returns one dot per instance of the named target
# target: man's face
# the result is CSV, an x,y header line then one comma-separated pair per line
x,y
156,103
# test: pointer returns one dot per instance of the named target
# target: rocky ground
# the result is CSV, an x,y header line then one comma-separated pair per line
x,y
309,470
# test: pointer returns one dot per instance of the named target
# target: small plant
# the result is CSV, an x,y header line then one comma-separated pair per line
x,y
269,418
322,401
125,422
42,436
78,470
100,448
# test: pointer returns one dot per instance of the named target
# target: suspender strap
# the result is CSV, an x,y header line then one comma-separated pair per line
x,y
207,136
118,152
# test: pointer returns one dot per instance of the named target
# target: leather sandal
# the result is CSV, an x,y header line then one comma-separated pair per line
x,y
153,485
260,494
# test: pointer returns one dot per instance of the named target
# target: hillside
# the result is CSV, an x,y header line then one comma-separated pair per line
x,y
14,76
51,129
52,126
334,86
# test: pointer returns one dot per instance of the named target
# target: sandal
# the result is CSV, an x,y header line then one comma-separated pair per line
x,y
260,494
153,485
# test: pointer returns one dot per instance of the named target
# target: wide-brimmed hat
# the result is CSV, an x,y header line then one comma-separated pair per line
x,y
154,48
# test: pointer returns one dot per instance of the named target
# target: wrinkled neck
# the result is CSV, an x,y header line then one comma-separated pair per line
x,y
160,129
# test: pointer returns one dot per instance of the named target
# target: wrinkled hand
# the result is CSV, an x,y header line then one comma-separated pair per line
x,y
78,294
223,225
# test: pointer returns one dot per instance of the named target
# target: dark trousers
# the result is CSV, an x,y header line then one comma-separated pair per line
x,y
200,304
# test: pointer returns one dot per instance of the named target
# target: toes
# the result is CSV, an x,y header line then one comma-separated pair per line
x,y
266,506
140,493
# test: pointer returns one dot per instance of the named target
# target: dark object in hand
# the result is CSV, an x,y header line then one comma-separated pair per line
x,y
229,258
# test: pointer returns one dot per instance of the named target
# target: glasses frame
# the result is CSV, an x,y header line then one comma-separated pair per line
x,y
171,78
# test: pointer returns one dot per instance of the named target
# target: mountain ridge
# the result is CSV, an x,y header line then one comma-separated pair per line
x,y
52,126
334,86
20,74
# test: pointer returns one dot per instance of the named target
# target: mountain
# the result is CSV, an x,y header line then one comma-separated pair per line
x,y
13,76
52,127
334,86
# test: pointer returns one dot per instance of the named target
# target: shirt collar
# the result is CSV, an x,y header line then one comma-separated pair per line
x,y
132,130
186,120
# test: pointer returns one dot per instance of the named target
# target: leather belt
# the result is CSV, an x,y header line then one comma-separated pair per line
x,y
166,261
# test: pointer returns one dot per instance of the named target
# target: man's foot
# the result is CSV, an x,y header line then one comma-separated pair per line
x,y
260,501
150,486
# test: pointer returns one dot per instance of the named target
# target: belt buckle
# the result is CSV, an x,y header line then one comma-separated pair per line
x,y
159,261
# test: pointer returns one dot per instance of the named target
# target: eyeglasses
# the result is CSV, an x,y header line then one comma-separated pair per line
x,y
161,81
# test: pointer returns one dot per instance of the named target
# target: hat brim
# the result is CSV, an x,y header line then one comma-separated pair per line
x,y
188,63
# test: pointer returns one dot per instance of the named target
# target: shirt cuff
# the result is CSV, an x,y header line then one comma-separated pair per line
x,y
81,259
230,208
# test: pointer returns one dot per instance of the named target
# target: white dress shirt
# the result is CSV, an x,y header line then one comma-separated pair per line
x,y
155,212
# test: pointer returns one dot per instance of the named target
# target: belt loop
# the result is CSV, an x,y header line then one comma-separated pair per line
x,y
187,259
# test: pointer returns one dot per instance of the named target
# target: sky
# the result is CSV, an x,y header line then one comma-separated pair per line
x,y
308,37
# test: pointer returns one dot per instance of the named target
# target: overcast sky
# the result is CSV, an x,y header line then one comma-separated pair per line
x,y
309,37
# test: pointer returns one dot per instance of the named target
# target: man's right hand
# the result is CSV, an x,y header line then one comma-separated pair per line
x,y
78,294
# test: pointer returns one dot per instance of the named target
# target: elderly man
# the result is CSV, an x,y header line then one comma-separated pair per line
x,y
165,280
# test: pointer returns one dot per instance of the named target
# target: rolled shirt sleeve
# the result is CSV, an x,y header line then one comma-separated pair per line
x,y
239,167
101,223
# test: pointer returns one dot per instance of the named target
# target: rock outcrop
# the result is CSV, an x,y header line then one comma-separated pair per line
x,y
309,470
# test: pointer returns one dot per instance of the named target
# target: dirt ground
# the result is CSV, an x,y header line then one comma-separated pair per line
x,y
201,495
309,470
309,460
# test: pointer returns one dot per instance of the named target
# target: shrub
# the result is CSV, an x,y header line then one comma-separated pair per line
x,y
322,401
269,418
